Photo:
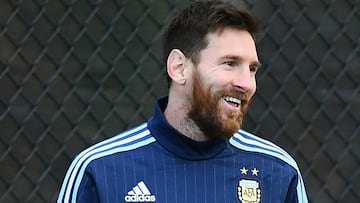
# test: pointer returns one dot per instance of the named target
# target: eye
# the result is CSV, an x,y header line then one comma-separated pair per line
x,y
230,63
254,69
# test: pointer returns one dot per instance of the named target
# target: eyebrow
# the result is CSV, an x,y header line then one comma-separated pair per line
x,y
237,58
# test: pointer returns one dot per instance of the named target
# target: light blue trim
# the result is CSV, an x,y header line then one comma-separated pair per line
x,y
103,154
127,140
249,142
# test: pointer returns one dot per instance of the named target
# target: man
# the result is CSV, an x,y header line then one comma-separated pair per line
x,y
192,150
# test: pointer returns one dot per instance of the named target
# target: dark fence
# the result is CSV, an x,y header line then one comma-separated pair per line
x,y
73,73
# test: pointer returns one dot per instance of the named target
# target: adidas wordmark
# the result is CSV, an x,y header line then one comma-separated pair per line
x,y
140,193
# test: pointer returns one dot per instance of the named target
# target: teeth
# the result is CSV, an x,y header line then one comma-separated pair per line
x,y
232,99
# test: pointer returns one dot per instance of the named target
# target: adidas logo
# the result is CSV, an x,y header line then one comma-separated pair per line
x,y
140,193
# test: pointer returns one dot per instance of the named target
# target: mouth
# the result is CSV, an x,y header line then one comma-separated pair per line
x,y
232,101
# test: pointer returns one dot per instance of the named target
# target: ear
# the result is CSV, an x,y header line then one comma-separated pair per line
x,y
176,66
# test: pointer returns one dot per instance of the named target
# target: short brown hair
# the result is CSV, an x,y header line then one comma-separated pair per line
x,y
188,29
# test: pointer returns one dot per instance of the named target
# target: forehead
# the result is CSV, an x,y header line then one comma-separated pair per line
x,y
230,41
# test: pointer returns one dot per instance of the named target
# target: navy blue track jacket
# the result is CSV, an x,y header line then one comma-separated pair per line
x,y
153,162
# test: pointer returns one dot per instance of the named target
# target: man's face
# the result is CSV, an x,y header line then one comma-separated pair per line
x,y
223,83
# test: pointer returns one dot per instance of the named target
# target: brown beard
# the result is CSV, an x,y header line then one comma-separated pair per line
x,y
205,110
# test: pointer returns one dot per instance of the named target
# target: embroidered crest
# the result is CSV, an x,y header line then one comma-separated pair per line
x,y
249,191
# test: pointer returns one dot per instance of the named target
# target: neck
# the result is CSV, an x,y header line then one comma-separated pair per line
x,y
176,115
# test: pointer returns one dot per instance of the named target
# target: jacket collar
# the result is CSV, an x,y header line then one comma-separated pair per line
x,y
179,144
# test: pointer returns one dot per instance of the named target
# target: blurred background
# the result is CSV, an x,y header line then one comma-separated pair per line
x,y
75,72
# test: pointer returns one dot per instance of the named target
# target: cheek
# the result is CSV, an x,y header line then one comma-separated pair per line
x,y
220,80
252,89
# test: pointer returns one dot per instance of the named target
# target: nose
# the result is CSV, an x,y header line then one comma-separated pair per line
x,y
244,80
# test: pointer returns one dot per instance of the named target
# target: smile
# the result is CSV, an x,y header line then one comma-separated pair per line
x,y
232,100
